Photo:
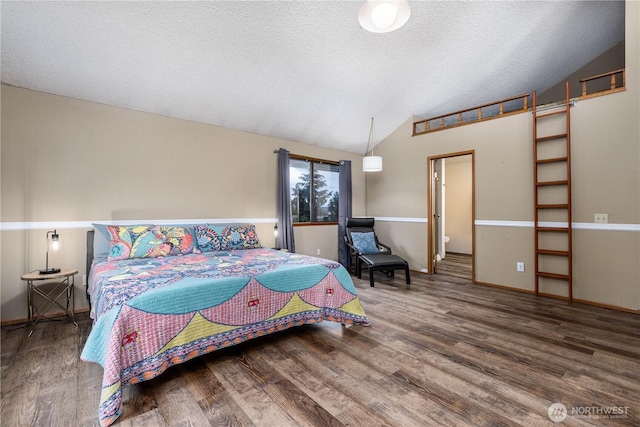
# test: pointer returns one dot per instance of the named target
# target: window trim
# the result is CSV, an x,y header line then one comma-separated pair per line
x,y
307,224
321,161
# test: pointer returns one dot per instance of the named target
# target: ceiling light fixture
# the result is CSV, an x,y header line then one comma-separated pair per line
x,y
371,163
380,16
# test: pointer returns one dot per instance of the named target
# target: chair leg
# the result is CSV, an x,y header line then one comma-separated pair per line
x,y
370,277
406,273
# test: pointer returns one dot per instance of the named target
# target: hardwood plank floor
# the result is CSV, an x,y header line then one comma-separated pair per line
x,y
440,351
455,264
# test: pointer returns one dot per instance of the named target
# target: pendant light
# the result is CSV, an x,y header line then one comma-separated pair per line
x,y
371,163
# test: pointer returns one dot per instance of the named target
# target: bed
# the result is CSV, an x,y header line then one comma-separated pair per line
x,y
152,312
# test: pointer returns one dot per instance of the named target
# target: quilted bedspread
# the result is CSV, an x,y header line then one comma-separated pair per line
x,y
152,313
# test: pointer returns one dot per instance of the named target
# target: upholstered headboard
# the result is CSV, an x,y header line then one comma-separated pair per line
x,y
90,235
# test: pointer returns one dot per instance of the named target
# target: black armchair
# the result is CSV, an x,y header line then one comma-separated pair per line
x,y
364,247
361,225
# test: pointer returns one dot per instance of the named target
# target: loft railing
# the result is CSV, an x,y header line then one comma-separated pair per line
x,y
518,104
493,110
600,85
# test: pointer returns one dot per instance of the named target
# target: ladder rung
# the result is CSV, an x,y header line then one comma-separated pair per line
x,y
546,183
553,275
553,229
550,137
552,252
552,160
538,116
553,206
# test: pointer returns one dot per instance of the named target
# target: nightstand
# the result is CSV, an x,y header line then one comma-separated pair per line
x,y
52,289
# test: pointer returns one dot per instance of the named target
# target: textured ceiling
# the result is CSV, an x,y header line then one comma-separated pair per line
x,y
300,70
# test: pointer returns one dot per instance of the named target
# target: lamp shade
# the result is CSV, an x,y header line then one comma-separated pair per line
x,y
384,16
55,242
372,163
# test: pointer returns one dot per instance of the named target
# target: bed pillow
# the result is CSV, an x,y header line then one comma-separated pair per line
x,y
148,241
240,237
365,243
176,240
208,237
101,241
131,241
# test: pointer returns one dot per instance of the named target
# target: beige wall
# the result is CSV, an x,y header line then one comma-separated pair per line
x,y
66,161
606,179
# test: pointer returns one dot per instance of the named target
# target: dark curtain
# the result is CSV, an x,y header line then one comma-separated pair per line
x,y
285,224
344,210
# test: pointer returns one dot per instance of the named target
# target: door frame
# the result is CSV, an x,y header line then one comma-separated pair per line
x,y
432,251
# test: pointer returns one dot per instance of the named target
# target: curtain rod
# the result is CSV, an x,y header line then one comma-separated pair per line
x,y
310,159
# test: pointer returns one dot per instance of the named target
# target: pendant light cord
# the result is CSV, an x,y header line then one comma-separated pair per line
x,y
370,141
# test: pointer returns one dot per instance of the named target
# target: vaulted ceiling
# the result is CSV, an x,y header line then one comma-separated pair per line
x,y
300,70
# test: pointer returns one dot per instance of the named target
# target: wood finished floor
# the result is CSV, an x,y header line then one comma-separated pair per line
x,y
439,352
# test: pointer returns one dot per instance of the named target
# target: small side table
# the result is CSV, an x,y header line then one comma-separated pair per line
x,y
64,286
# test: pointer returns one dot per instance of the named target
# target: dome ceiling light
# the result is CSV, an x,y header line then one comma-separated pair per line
x,y
380,16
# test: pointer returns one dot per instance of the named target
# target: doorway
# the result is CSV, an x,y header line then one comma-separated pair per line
x,y
451,214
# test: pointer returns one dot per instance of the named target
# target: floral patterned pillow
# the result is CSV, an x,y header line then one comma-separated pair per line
x,y
175,241
130,241
142,241
208,237
240,237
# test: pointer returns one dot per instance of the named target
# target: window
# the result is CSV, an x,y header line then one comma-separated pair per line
x,y
314,190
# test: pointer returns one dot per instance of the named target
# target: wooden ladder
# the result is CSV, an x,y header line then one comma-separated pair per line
x,y
552,197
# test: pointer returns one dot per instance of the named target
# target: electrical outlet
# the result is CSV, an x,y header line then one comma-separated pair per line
x,y
520,266
84,280
318,252
601,218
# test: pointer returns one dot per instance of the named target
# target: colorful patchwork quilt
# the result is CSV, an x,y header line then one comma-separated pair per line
x,y
153,313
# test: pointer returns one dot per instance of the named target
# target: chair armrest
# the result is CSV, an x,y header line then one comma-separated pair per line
x,y
386,248
353,249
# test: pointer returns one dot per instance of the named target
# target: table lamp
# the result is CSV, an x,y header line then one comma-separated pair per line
x,y
55,245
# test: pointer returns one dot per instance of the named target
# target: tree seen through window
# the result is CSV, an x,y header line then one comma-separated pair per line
x,y
314,191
